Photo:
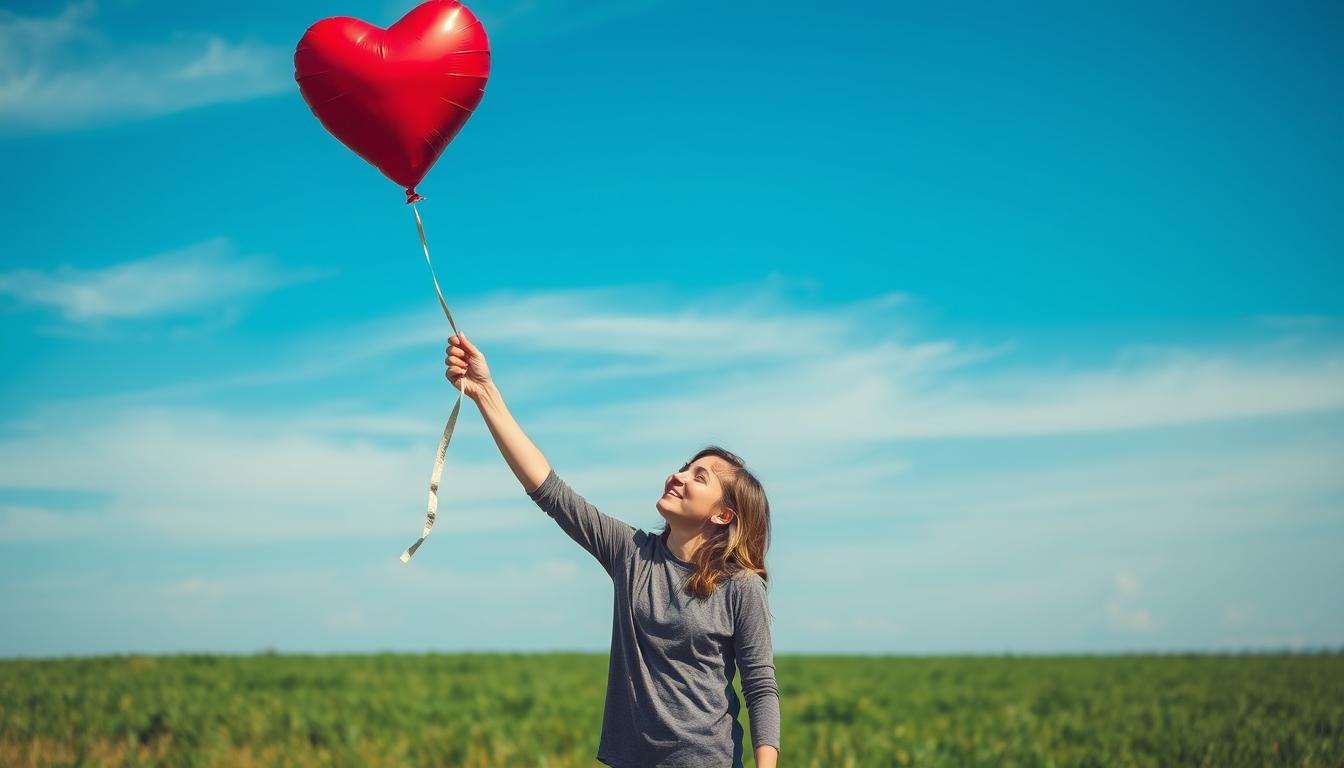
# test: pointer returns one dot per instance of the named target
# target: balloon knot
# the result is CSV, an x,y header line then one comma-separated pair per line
x,y
411,196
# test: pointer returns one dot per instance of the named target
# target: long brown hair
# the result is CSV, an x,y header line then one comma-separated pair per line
x,y
740,545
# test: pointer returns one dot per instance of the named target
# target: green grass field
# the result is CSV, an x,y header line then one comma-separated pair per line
x,y
545,710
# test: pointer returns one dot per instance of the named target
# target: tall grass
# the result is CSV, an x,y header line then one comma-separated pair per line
x,y
474,711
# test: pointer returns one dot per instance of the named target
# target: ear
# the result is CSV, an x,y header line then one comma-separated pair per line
x,y
724,517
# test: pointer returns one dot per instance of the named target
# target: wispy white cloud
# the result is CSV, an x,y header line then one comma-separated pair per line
x,y
61,72
1066,554
748,364
212,475
191,280
950,562
771,380
1236,615
28,522
1122,609
986,551
888,392
861,372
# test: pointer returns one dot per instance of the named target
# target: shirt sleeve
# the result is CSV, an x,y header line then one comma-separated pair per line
x,y
604,537
756,659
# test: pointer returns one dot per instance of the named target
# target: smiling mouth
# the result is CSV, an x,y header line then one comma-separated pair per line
x,y
673,494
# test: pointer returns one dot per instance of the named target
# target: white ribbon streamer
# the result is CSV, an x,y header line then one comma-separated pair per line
x,y
452,418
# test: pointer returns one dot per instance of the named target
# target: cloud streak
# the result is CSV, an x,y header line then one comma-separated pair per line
x,y
843,411
748,364
190,280
1122,609
953,562
61,73
746,384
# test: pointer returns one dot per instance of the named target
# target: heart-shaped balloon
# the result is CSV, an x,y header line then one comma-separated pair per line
x,y
396,96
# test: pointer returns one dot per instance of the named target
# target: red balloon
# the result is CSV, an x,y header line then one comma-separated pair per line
x,y
396,96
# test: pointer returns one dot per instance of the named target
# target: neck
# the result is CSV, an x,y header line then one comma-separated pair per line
x,y
684,544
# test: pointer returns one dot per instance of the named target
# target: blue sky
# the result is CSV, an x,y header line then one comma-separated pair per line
x,y
1029,321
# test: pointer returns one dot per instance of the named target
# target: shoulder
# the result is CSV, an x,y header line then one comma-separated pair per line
x,y
747,601
749,579
746,585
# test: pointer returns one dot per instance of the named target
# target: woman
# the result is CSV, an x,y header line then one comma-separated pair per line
x,y
690,601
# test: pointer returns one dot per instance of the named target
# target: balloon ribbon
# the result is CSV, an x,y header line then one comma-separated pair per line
x,y
452,418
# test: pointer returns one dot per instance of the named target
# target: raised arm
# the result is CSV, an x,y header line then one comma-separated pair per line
x,y
606,538
467,370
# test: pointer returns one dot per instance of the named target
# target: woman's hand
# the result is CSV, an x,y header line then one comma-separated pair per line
x,y
466,367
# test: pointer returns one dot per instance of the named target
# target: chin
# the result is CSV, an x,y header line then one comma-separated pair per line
x,y
667,514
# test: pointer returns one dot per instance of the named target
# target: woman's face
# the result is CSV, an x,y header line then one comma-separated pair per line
x,y
693,495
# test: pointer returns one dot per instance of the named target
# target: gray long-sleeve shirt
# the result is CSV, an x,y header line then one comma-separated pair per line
x,y
670,698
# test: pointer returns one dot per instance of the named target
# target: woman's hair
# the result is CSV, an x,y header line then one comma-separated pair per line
x,y
740,545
